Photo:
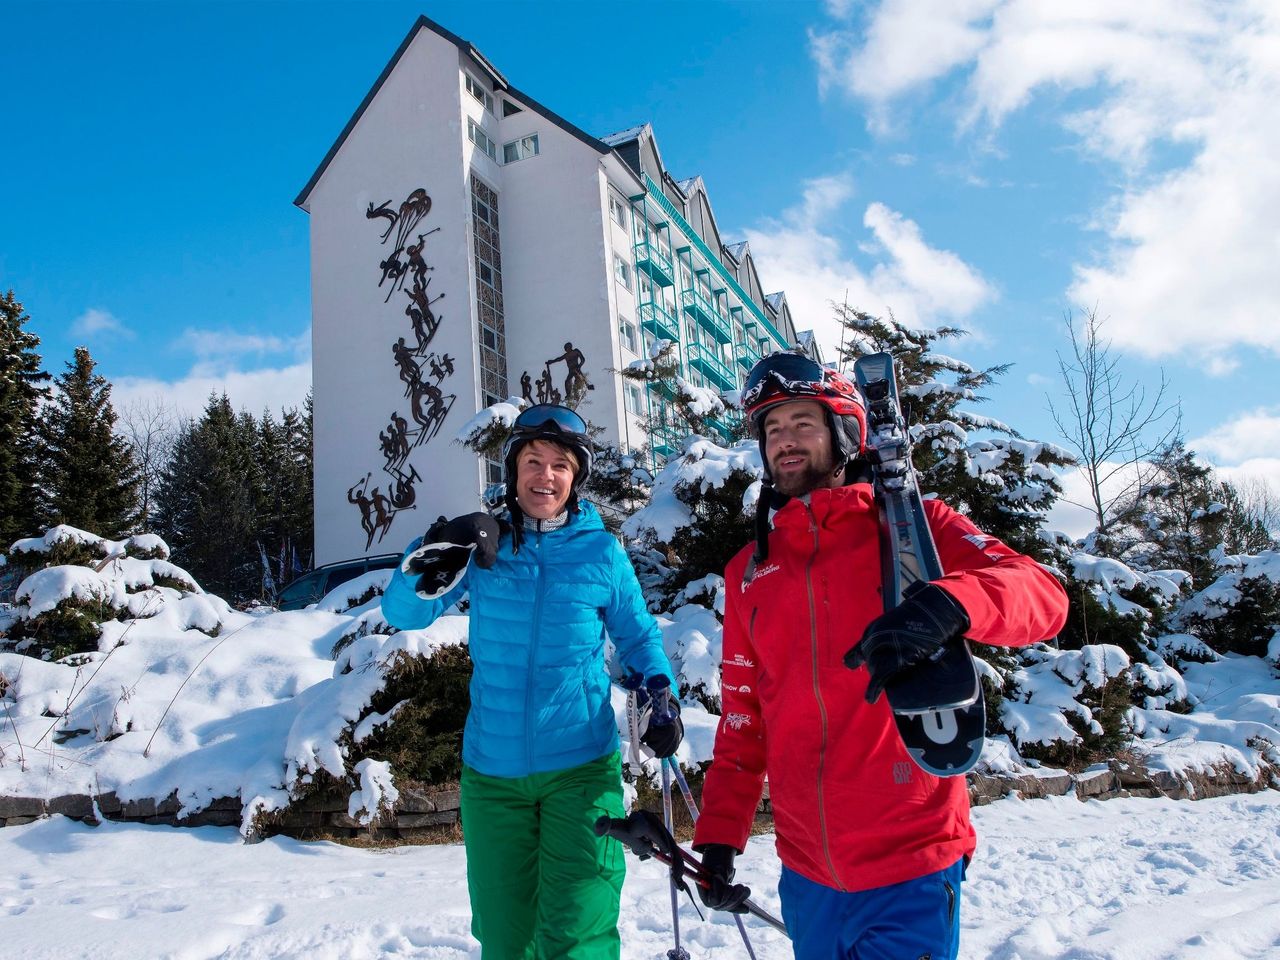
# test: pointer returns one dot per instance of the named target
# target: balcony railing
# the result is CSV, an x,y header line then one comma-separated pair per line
x,y
655,318
654,193
705,313
746,354
704,358
654,261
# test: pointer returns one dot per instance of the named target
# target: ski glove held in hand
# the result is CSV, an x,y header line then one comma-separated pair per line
x,y
665,730
918,629
442,558
722,893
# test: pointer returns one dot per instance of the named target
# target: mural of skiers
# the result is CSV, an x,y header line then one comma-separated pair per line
x,y
546,390
422,370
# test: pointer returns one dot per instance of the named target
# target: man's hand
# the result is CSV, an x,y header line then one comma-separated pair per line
x,y
919,629
722,893
665,729
447,548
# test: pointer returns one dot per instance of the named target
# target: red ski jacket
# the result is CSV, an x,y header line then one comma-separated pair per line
x,y
851,810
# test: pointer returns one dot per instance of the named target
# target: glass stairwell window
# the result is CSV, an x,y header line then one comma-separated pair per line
x,y
476,134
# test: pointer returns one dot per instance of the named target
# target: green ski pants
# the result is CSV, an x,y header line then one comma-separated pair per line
x,y
543,886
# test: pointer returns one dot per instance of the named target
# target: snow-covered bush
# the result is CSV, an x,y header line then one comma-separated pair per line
x,y
1239,611
62,608
1068,707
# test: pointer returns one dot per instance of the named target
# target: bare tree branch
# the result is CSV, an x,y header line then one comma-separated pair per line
x,y
1113,426
151,427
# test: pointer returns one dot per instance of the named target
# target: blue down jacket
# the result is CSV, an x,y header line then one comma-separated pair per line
x,y
540,687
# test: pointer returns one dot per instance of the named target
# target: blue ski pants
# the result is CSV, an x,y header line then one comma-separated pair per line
x,y
914,920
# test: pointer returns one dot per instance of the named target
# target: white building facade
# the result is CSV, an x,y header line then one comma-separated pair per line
x,y
468,245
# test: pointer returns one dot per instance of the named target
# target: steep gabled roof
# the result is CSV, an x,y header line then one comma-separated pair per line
x,y
481,61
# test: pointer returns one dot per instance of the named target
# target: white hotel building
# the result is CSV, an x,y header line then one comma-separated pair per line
x,y
467,245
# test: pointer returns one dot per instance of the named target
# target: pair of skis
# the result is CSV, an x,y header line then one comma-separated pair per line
x,y
938,706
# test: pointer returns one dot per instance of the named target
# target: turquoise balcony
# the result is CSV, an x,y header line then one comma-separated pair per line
x,y
706,314
655,318
706,360
654,260
746,354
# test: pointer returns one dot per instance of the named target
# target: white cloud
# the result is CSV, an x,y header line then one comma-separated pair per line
x,y
271,389
209,344
94,322
1189,253
922,285
1254,435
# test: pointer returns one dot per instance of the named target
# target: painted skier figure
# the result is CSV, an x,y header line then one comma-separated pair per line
x,y
540,750
873,849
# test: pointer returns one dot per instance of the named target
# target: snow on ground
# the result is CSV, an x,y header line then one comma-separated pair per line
x,y
1052,880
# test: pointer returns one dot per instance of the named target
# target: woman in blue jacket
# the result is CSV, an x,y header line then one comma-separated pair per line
x,y
540,749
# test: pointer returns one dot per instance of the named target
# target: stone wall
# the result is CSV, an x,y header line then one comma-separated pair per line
x,y
426,812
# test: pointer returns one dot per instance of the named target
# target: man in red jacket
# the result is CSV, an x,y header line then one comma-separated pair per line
x,y
873,848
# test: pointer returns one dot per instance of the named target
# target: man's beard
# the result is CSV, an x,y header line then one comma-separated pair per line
x,y
813,476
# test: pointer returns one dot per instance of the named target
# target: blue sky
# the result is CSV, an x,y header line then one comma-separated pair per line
x,y
988,163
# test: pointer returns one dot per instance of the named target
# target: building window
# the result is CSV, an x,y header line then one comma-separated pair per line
x,y
633,398
618,210
622,271
489,303
646,290
629,335
477,90
509,108
520,149
481,139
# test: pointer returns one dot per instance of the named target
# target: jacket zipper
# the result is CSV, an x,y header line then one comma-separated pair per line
x,y
529,720
817,694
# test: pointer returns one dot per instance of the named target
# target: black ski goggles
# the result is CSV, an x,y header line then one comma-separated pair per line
x,y
792,373
542,416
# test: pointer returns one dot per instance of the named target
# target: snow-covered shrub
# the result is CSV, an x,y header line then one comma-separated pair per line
x,y
1239,612
1068,707
61,609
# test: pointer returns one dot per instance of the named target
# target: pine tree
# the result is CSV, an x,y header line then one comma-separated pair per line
x,y
20,395
1183,513
88,474
208,501
1003,483
285,518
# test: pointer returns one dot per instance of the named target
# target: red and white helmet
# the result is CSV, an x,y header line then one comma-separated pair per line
x,y
786,376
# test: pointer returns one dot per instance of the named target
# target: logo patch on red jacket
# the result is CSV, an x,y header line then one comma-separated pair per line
x,y
736,721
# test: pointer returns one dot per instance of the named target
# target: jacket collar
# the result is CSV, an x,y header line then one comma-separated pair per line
x,y
829,506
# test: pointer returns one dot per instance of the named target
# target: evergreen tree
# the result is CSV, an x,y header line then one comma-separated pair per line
x,y
88,474
285,520
1181,516
208,501
1005,484
20,395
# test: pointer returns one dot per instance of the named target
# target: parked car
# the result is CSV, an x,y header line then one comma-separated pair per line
x,y
312,586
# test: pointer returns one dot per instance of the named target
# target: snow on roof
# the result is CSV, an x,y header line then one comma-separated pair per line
x,y
625,136
736,250
776,300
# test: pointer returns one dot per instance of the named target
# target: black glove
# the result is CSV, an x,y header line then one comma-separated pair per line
x,y
664,731
445,551
920,628
722,893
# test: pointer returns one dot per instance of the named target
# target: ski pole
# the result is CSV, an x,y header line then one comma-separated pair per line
x,y
677,952
693,814
661,708
644,835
